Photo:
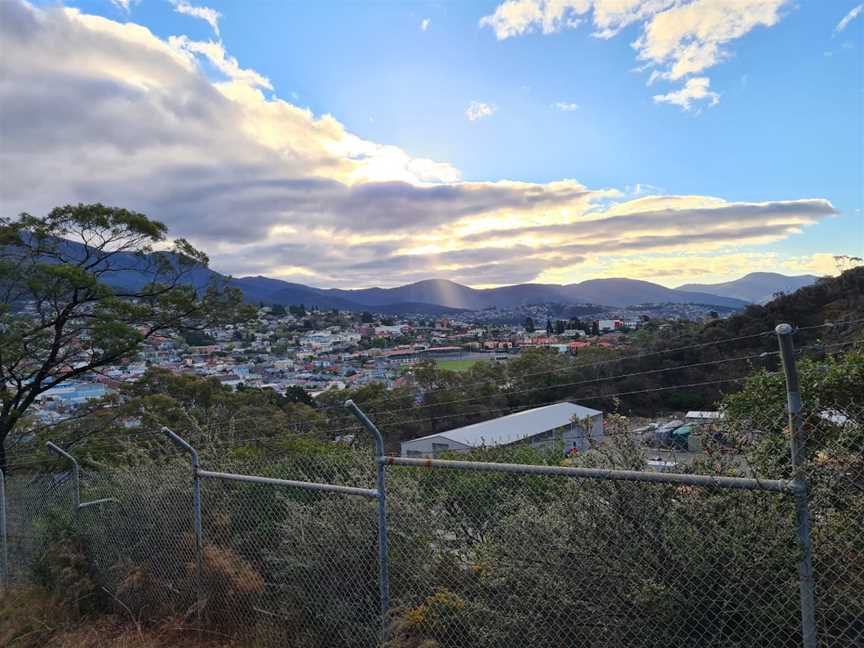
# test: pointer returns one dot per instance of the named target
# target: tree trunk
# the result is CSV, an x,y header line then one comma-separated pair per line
x,y
6,425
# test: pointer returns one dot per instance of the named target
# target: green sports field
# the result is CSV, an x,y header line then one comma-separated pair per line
x,y
451,364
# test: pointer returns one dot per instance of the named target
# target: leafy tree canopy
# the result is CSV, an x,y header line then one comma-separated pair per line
x,y
83,287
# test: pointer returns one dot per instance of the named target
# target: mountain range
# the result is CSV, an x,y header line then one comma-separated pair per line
x,y
440,296
756,287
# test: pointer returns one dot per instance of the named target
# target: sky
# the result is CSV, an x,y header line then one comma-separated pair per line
x,y
352,144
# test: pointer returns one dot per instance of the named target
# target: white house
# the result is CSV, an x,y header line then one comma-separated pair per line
x,y
567,424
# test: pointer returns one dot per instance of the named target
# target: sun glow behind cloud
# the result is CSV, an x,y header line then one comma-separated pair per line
x,y
180,130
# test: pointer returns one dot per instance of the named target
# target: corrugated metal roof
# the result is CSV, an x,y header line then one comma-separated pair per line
x,y
515,427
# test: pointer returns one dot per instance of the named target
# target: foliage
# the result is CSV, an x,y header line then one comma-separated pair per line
x,y
491,559
829,387
62,564
126,427
83,288
832,461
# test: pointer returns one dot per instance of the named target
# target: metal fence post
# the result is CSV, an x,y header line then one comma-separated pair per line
x,y
383,544
76,475
4,551
802,499
196,506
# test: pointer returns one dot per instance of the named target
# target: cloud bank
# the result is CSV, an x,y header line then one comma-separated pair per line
x,y
97,110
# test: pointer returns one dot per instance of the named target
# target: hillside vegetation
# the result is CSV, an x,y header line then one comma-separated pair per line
x,y
465,568
33,617
298,568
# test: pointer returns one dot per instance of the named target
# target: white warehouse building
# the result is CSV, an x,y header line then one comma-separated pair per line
x,y
566,424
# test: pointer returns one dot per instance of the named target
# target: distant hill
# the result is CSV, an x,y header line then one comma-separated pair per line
x,y
829,299
700,383
756,287
436,296
439,292
443,293
626,292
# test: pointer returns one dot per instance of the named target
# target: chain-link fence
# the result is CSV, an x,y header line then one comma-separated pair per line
x,y
648,539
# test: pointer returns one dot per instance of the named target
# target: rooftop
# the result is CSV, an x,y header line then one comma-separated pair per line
x,y
516,427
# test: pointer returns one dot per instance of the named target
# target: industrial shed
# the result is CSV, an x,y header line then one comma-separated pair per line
x,y
539,427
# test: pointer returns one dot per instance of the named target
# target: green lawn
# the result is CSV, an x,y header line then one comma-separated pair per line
x,y
456,365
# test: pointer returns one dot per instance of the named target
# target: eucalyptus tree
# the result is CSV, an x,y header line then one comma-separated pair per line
x,y
83,288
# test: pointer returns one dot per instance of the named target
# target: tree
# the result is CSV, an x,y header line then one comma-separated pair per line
x,y
529,325
297,310
549,328
197,338
595,328
560,327
83,288
366,317
296,394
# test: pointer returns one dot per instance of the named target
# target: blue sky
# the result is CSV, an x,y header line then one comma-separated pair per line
x,y
785,123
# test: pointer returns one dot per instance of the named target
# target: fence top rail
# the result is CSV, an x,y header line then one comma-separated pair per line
x,y
740,483
289,483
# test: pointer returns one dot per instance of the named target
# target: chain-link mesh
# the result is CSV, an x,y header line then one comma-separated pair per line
x,y
35,506
482,558
298,566
140,540
833,456
498,559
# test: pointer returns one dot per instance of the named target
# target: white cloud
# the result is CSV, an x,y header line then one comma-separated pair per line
x,y
678,39
689,38
642,189
122,4
696,89
424,24
849,17
565,106
208,15
107,111
480,110
611,16
227,65
518,17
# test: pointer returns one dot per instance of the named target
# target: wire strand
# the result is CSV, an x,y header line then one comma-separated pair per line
x,y
601,363
357,426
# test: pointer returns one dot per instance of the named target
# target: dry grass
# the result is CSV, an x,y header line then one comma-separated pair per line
x,y
30,617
